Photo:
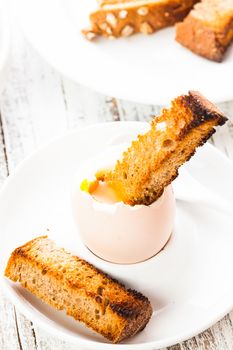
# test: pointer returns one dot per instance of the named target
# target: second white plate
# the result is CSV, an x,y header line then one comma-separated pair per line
x,y
148,69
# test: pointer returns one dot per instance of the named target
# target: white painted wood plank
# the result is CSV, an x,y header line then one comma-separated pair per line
x,y
47,342
223,139
32,104
174,347
85,106
217,337
227,108
223,334
136,112
9,339
206,341
146,113
26,333
127,110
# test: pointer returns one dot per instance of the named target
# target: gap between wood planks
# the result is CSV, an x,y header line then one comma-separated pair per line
x,y
2,139
17,330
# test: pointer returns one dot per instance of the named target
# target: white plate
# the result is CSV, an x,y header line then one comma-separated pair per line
x,y
188,283
148,69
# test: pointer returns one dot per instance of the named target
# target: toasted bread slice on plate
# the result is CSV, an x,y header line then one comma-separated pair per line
x,y
69,283
208,29
123,18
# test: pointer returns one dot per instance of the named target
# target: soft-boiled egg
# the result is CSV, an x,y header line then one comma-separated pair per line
x,y
115,231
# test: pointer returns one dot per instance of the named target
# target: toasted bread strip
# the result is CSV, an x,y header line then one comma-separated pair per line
x,y
69,283
120,19
152,161
208,29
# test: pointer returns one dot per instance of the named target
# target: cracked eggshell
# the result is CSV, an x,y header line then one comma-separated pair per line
x,y
118,232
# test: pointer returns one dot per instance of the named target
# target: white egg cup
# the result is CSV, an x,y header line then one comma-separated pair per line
x,y
118,232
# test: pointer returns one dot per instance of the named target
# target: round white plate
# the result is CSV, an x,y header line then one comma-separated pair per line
x,y
148,69
188,283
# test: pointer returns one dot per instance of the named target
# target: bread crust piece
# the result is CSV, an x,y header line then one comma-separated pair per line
x,y
123,19
208,30
69,283
151,163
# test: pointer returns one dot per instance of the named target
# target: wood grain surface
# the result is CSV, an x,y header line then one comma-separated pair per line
x,y
38,104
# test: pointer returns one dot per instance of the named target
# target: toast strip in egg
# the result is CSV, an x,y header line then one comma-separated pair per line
x,y
151,163
69,283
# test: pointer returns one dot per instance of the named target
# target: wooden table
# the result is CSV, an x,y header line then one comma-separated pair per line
x,y
38,104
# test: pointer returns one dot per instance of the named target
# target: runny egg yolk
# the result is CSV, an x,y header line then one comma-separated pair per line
x,y
100,191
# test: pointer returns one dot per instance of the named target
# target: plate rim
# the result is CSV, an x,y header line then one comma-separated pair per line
x,y
75,339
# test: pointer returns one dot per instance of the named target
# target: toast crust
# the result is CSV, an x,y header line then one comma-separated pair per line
x,y
208,29
121,19
69,283
151,163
